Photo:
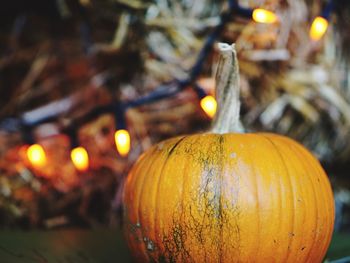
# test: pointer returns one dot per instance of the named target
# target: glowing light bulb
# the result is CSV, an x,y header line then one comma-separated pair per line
x,y
80,158
122,141
208,104
264,16
318,28
36,155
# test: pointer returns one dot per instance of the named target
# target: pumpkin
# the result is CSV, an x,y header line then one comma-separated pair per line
x,y
226,196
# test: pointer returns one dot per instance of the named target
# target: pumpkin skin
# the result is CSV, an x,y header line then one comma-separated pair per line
x,y
228,198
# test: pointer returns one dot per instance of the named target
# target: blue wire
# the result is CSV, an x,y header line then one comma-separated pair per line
x,y
326,12
162,92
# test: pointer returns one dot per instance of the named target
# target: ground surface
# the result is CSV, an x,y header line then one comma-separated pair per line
x,y
91,246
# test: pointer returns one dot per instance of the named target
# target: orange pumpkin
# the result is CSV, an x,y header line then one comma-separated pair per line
x,y
228,197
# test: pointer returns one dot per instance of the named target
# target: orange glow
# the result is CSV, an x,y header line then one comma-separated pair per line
x,y
36,155
264,16
80,158
122,141
208,104
318,28
22,152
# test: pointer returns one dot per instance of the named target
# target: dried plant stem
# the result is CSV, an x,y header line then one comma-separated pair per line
x,y
227,91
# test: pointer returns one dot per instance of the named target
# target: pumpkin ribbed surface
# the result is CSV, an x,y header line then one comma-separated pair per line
x,y
228,198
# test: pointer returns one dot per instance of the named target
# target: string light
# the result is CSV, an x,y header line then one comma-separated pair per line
x,y
318,28
78,154
80,158
36,155
264,16
209,105
122,141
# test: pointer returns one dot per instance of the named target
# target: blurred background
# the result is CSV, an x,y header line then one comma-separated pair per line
x,y
86,86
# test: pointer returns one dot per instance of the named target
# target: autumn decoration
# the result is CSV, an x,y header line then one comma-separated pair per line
x,y
228,196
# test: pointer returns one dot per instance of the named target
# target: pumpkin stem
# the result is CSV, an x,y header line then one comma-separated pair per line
x,y
227,92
